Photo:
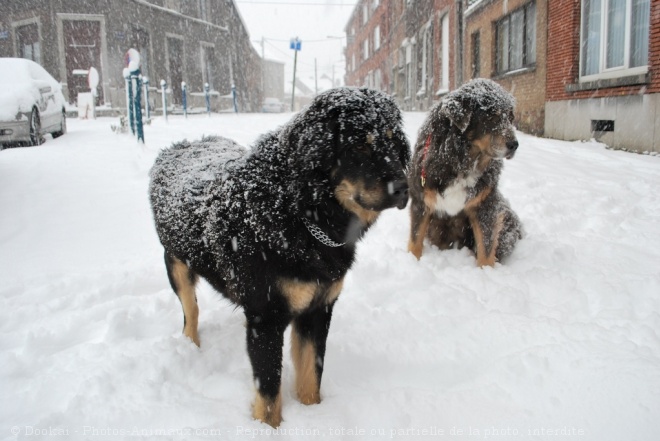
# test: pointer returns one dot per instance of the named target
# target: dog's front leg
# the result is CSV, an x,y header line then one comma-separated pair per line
x,y
420,216
265,338
308,336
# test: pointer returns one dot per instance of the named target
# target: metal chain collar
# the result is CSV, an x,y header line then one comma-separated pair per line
x,y
320,235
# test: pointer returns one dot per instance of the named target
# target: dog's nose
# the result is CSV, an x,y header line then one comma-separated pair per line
x,y
511,147
399,191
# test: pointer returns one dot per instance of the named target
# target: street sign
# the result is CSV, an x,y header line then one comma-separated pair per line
x,y
295,44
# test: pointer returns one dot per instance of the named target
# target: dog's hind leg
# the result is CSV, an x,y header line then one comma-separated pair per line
x,y
265,339
512,232
308,336
183,281
486,229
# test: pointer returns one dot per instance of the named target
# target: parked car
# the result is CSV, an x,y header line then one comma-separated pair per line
x,y
272,105
31,103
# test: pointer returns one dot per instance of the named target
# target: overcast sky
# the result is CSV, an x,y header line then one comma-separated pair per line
x,y
310,20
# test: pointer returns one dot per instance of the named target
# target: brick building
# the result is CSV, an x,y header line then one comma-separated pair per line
x,y
367,51
405,48
507,41
577,68
610,88
195,41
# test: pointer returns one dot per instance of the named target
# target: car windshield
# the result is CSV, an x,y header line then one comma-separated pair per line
x,y
14,71
39,73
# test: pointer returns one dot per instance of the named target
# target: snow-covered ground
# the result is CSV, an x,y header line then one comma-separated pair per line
x,y
562,341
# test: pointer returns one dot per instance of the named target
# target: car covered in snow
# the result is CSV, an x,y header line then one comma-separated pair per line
x,y
272,105
31,103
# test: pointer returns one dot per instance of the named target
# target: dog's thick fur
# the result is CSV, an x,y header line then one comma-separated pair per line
x,y
243,220
455,169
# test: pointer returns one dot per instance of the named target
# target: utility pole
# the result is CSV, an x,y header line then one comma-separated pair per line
x,y
295,45
316,79
263,69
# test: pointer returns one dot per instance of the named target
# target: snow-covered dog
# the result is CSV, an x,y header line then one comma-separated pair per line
x,y
455,169
274,229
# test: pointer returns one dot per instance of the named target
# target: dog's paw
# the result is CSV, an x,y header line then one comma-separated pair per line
x,y
486,261
193,335
309,398
415,249
268,410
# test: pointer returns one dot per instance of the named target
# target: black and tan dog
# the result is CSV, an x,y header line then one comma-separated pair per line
x,y
274,229
455,169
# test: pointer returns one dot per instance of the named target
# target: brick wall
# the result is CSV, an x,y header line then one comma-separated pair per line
x,y
563,47
564,54
441,8
654,47
528,85
399,21
378,58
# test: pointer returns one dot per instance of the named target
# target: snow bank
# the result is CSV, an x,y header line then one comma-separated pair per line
x,y
561,342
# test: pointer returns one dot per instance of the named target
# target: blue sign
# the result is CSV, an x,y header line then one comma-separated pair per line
x,y
295,44
4,35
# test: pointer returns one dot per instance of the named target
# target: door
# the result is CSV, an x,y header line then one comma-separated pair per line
x,y
82,50
175,66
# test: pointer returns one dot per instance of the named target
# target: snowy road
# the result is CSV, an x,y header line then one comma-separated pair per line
x,y
562,341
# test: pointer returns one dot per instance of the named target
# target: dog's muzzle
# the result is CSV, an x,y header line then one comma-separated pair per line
x,y
399,192
511,147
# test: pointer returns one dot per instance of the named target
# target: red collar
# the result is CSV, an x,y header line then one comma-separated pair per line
x,y
426,152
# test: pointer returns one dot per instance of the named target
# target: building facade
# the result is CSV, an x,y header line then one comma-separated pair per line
x,y
579,69
507,41
195,42
603,65
273,79
406,48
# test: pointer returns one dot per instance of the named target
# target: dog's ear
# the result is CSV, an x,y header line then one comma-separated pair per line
x,y
457,111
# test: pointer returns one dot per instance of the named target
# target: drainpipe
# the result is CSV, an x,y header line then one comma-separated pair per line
x,y
459,42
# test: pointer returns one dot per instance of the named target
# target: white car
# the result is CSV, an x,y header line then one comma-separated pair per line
x,y
31,103
272,105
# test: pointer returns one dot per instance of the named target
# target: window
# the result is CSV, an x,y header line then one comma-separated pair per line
x,y
444,54
516,40
365,49
203,10
376,38
409,71
426,73
368,80
378,80
476,55
365,13
28,42
614,37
